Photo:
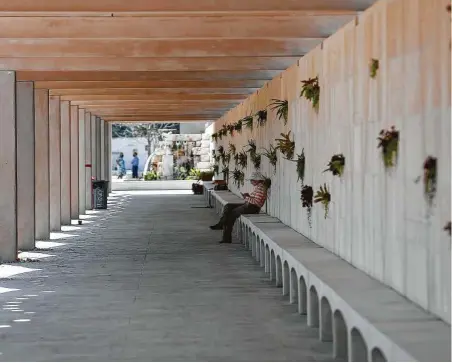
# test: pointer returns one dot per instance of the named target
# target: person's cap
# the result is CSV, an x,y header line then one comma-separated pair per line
x,y
257,177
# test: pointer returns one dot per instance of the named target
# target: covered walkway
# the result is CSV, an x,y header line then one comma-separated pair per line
x,y
145,280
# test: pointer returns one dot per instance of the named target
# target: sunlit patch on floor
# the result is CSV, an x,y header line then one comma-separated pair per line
x,y
22,320
69,228
4,290
11,270
31,295
5,326
48,292
33,256
47,244
60,235
30,312
157,192
22,298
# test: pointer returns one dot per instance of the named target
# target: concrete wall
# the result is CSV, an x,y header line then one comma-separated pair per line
x,y
379,220
192,127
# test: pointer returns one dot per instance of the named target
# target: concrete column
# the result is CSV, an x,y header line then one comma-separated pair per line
x,y
99,148
94,146
106,149
55,162
25,165
103,176
88,165
81,157
74,162
65,163
109,140
8,220
42,175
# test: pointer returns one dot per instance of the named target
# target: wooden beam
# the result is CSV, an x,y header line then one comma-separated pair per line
x,y
147,64
111,6
54,85
166,27
155,48
165,93
140,104
146,76
165,98
159,118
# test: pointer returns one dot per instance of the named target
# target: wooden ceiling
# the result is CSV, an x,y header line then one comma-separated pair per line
x,y
162,60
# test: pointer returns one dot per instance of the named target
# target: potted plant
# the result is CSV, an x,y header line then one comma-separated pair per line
x,y
282,109
232,149
225,173
231,129
256,160
430,179
389,144
226,159
252,146
373,68
307,195
310,90
215,136
323,196
216,169
238,126
301,161
242,160
239,178
336,165
272,156
261,117
286,146
248,122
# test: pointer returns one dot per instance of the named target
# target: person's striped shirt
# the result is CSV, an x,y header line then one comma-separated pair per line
x,y
259,196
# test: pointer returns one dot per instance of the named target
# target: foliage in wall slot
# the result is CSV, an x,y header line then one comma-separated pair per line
x,y
239,177
225,173
389,144
252,147
323,196
307,195
243,159
336,165
215,136
272,156
311,91
232,149
217,158
220,150
286,146
282,109
301,163
238,126
236,159
227,159
231,129
216,169
248,122
430,178
256,159
261,117
448,227
373,67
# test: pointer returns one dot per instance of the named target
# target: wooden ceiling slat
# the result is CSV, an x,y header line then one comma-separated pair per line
x,y
161,99
167,92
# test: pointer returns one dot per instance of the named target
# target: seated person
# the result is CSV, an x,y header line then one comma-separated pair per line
x,y
253,204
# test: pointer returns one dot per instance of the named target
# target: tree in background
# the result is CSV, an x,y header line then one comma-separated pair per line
x,y
119,130
152,132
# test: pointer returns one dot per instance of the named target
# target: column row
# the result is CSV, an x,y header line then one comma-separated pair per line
x,y
50,151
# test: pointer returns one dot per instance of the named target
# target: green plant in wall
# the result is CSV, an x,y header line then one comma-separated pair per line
x,y
238,126
272,156
226,159
217,158
310,90
248,122
232,149
243,160
220,150
231,129
307,196
448,228
389,144
252,147
430,178
256,160
223,131
215,137
336,165
239,178
236,159
225,173
286,146
216,168
323,196
301,163
373,67
282,109
261,117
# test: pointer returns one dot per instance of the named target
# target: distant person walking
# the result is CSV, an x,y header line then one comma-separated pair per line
x,y
121,165
135,163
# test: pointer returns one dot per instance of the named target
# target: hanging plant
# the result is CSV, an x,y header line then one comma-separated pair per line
x,y
238,126
220,150
231,129
286,145
389,144
226,159
216,168
282,109
272,156
430,178
239,178
323,196
448,228
236,159
224,130
336,165
248,122
252,147
311,91
301,161
215,137
232,149
217,158
225,173
307,195
373,68
261,117
256,160
243,159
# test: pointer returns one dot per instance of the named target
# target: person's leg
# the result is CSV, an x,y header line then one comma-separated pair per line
x,y
226,210
232,217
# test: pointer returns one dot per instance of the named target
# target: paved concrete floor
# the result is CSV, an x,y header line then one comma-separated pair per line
x,y
146,281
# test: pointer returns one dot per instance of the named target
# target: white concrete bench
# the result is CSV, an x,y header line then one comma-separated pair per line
x,y
208,187
365,319
219,198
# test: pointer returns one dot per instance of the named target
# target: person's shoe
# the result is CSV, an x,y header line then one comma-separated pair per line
x,y
224,241
216,227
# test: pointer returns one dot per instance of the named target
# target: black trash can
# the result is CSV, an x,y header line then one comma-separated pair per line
x,y
100,194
